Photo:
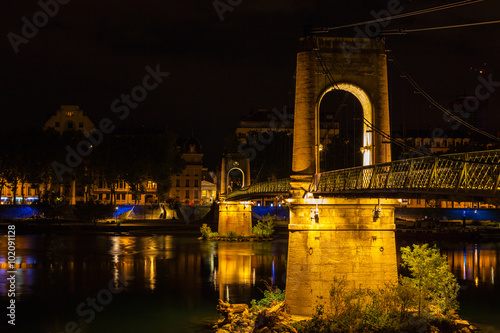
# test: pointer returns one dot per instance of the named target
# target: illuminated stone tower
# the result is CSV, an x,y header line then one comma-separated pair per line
x,y
337,237
358,66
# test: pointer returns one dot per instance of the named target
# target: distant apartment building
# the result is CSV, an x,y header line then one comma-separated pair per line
x,y
69,118
277,120
187,186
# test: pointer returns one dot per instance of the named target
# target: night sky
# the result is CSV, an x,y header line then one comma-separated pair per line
x,y
91,52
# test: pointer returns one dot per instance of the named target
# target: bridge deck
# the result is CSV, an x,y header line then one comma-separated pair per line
x,y
474,176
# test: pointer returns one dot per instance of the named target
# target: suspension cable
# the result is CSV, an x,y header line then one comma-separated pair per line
x,y
395,17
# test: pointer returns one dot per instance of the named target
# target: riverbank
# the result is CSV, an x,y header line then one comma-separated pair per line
x,y
132,227
275,318
128,226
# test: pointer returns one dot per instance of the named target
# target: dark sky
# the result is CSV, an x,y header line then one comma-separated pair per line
x,y
91,52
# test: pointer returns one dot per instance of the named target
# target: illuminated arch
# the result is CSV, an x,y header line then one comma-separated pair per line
x,y
367,107
242,176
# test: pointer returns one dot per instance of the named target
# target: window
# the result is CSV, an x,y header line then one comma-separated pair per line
x,y
196,194
177,183
70,124
69,113
196,183
187,182
80,124
177,193
187,194
58,124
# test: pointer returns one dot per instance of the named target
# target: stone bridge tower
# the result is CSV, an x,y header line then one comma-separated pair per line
x,y
234,216
358,66
337,237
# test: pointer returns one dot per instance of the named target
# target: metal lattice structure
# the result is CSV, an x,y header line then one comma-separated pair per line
x,y
265,189
474,174
455,176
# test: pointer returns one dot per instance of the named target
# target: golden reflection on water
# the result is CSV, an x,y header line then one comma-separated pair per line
x,y
77,263
235,267
475,262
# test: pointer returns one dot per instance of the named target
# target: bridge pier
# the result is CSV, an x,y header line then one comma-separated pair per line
x,y
335,237
235,217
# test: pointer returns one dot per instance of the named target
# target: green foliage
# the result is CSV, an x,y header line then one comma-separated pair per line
x,y
272,295
264,228
52,208
206,232
93,211
436,287
232,234
173,203
355,310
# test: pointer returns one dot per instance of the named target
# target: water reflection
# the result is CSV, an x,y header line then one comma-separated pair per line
x,y
475,262
170,279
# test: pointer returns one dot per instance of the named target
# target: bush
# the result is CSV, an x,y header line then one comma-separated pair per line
x,y
93,211
206,232
264,228
435,286
272,295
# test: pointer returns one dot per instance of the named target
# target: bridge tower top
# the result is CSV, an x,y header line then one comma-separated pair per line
x,y
358,66
235,173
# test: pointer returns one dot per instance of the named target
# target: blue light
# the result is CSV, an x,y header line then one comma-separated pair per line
x,y
273,274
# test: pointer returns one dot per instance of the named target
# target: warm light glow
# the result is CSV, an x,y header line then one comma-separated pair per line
x,y
367,107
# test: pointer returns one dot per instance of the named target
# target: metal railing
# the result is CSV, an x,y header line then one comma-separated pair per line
x,y
275,187
463,174
476,173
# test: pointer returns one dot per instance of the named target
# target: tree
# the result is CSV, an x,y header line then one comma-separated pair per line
x,y
435,285
93,211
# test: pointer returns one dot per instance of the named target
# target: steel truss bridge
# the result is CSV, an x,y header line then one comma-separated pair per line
x,y
473,176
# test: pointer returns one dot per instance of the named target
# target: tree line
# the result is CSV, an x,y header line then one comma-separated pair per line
x,y
27,157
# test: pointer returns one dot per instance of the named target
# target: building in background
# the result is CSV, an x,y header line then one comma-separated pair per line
x,y
69,118
186,187
189,187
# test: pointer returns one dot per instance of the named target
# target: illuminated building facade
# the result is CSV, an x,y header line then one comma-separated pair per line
x,y
187,186
69,118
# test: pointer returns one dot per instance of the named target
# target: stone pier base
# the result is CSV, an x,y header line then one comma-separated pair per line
x,y
344,238
235,217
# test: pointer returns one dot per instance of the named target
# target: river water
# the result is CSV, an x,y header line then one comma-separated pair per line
x,y
171,283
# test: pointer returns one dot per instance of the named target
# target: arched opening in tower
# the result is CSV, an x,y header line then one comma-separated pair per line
x,y
235,179
340,135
